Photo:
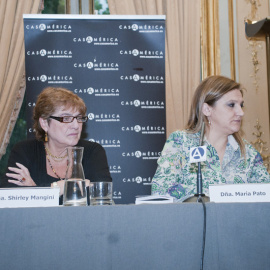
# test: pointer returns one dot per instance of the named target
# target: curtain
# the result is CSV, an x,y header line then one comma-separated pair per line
x,y
210,45
182,50
12,85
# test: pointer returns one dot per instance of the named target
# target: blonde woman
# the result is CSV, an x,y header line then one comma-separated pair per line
x,y
218,103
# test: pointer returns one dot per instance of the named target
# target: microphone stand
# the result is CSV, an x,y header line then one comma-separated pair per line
x,y
199,182
198,196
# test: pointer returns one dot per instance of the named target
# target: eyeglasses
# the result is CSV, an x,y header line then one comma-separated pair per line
x,y
69,119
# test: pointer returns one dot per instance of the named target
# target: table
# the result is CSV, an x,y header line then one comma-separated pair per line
x,y
136,237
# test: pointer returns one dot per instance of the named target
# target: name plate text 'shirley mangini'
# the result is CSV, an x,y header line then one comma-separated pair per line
x,y
29,197
240,193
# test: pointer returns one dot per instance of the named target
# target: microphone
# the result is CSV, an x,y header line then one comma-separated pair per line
x,y
202,134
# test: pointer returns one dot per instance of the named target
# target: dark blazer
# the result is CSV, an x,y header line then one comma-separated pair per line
x,y
31,153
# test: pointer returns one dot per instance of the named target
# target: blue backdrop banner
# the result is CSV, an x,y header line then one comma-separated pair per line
x,y
117,65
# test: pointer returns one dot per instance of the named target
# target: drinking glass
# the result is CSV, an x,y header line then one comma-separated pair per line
x,y
100,193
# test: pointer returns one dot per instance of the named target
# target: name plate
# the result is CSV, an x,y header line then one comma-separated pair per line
x,y
239,193
29,197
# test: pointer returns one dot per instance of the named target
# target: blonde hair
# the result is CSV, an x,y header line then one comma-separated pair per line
x,y
49,100
209,91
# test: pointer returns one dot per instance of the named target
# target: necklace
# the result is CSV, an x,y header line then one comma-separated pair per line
x,y
54,157
52,166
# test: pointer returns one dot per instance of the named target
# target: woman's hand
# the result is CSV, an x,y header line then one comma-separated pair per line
x,y
21,175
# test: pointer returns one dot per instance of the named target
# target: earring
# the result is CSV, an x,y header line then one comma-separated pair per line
x,y
46,137
209,122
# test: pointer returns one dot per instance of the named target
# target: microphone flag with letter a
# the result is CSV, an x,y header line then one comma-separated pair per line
x,y
197,154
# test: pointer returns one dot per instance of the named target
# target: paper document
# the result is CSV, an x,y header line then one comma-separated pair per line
x,y
154,199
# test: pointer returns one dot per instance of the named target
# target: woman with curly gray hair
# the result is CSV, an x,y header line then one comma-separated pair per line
x,y
59,116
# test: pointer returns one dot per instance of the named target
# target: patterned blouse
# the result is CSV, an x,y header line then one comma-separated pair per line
x,y
176,177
